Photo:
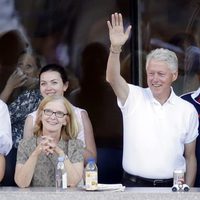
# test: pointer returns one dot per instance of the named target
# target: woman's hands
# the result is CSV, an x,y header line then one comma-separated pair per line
x,y
116,31
47,145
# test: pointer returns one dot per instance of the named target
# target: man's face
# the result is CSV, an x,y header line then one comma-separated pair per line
x,y
159,79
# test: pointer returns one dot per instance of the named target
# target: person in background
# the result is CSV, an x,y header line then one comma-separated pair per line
x,y
97,97
194,98
160,128
54,81
5,137
22,95
186,48
55,135
21,92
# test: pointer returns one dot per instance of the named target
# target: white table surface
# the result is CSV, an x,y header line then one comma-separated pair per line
x,y
15,193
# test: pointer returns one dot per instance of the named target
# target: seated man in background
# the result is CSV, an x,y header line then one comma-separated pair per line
x,y
5,136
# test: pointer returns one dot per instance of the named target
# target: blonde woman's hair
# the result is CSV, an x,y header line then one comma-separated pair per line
x,y
70,130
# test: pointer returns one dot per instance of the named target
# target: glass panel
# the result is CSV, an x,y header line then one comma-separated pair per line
x,y
59,32
173,25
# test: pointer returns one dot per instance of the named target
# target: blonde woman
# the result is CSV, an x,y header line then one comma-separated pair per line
x,y
55,131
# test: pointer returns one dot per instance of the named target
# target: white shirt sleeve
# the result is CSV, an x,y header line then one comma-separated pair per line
x,y
5,129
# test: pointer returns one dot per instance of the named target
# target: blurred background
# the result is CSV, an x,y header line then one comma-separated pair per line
x,y
74,34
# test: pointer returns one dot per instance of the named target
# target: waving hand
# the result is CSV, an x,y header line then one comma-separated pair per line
x,y
118,36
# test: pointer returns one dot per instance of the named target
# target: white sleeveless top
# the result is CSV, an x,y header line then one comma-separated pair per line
x,y
77,112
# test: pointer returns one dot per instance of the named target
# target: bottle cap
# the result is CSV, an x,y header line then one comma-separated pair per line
x,y
61,158
89,160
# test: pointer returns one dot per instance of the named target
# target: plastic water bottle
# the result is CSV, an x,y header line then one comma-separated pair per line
x,y
91,175
61,174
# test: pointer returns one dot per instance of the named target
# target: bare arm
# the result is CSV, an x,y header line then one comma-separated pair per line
x,y
24,172
74,170
117,38
191,163
90,149
2,167
28,127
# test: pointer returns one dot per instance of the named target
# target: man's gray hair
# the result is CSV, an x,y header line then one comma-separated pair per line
x,y
165,55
